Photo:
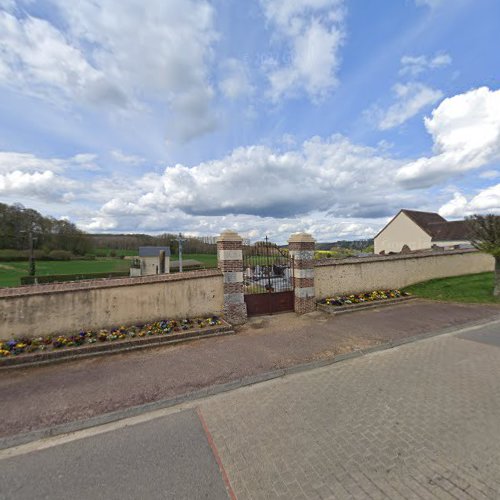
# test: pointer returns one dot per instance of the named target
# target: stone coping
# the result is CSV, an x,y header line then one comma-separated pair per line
x,y
72,286
301,238
111,347
334,310
229,235
379,258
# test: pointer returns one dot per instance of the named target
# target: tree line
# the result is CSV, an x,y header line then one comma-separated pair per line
x,y
359,245
51,234
48,233
191,244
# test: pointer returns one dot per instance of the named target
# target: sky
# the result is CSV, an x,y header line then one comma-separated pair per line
x,y
267,117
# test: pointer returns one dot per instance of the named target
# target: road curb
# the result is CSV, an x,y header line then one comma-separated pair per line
x,y
78,425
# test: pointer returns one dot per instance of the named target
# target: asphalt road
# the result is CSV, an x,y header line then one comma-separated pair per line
x,y
167,458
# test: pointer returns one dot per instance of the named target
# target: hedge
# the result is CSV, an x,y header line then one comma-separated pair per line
x,y
13,258
25,258
54,278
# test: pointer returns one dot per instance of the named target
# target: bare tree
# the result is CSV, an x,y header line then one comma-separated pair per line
x,y
485,236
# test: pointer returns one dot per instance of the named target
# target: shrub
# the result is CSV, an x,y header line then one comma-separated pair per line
x,y
13,258
41,255
83,257
55,278
60,255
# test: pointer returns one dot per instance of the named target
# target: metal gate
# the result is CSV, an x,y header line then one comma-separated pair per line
x,y
267,278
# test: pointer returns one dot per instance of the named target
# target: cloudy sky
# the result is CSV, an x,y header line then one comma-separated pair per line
x,y
264,116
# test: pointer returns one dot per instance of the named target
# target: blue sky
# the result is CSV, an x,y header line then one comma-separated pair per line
x,y
263,116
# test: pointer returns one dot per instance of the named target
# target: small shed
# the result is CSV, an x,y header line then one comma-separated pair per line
x,y
150,261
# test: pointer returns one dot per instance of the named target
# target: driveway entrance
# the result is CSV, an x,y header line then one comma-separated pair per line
x,y
267,278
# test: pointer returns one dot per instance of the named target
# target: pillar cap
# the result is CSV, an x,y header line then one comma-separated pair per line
x,y
301,238
229,235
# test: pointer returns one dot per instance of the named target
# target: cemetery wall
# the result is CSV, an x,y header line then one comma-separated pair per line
x,y
335,277
68,307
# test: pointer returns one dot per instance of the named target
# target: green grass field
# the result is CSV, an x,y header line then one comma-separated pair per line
x,y
208,260
106,252
11,272
477,288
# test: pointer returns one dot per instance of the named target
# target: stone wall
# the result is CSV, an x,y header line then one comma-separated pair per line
x,y
67,307
334,277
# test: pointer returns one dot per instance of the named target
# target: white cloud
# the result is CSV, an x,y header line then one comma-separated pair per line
x,y
486,201
121,157
255,190
313,31
489,174
48,179
7,4
466,134
235,82
117,54
169,62
324,228
257,186
32,51
414,65
411,98
99,224
43,185
86,161
27,162
455,207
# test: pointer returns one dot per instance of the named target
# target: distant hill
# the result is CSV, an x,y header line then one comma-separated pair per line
x,y
351,244
203,244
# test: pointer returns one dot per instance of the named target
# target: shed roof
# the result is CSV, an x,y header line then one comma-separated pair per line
x,y
153,251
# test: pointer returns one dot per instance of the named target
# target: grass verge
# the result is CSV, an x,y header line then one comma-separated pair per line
x,y
474,288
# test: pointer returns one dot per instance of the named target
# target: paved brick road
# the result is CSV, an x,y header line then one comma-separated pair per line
x,y
419,421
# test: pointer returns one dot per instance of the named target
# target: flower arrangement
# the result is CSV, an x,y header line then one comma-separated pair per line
x,y
343,300
22,345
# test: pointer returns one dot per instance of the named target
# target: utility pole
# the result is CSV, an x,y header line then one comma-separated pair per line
x,y
180,240
32,269
31,258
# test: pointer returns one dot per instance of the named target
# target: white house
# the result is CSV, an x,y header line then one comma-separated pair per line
x,y
420,231
150,262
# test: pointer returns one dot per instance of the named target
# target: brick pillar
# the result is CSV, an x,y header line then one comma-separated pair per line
x,y
230,262
301,247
